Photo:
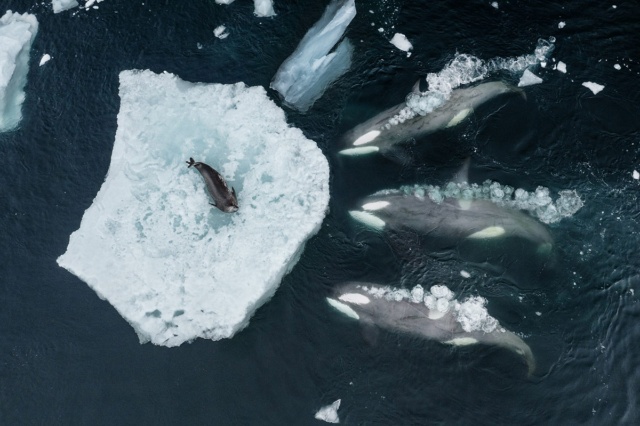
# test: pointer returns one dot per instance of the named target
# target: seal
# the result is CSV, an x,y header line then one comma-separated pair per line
x,y
223,198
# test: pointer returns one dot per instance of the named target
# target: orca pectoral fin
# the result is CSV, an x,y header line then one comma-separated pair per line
x,y
370,334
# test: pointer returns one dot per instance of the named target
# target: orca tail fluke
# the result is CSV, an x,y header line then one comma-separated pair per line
x,y
190,162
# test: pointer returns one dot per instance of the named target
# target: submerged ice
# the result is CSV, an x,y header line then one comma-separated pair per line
x,y
17,33
303,76
172,265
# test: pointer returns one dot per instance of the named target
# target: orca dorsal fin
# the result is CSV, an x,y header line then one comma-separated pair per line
x,y
462,175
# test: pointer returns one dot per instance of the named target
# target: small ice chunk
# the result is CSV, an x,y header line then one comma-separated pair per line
x,y
636,175
617,66
220,32
561,66
400,41
329,413
528,79
561,24
263,8
594,87
465,274
62,5
151,245
381,30
45,58
303,76
89,3
495,5
17,33
224,1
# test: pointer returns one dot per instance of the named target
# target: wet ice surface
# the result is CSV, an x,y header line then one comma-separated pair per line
x,y
173,266
329,413
594,87
17,32
528,79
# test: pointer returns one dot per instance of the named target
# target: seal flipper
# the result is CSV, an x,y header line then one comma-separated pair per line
x,y
190,162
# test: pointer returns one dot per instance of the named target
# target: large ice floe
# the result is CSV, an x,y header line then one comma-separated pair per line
x,y
173,266
17,33
303,76
539,202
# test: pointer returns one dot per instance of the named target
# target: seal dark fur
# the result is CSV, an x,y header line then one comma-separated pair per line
x,y
223,198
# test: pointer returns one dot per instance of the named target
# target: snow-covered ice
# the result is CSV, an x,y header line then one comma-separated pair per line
x,y
62,5
594,87
173,266
263,8
45,58
562,67
400,41
329,413
303,76
17,33
529,79
220,32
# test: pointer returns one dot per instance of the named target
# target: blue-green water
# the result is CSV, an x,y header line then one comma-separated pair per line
x,y
67,357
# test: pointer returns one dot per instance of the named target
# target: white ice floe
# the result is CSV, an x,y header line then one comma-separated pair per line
x,y
263,8
303,76
539,202
529,79
62,5
17,33
401,42
45,58
329,413
594,87
561,66
617,66
636,175
173,266
561,24
221,32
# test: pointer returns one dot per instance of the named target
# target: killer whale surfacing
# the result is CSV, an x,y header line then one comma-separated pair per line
x,y
224,198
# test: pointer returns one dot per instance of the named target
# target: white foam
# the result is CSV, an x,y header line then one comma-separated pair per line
x,y
594,87
45,58
561,66
172,265
263,8
303,77
400,41
62,5
329,413
17,33
473,316
221,32
529,79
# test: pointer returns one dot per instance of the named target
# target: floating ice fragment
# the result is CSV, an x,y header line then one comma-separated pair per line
x,y
62,5
224,1
263,8
562,67
594,87
495,5
220,32
561,24
303,76
528,79
636,175
329,413
17,33
45,58
617,66
400,41
150,243
465,274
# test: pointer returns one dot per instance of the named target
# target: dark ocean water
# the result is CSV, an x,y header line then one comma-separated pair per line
x,y
67,357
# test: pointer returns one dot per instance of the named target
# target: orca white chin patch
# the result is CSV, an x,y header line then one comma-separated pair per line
x,y
345,309
462,341
366,138
368,219
457,119
355,298
376,205
361,150
489,232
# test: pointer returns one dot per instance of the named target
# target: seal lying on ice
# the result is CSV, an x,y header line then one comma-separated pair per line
x,y
223,198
